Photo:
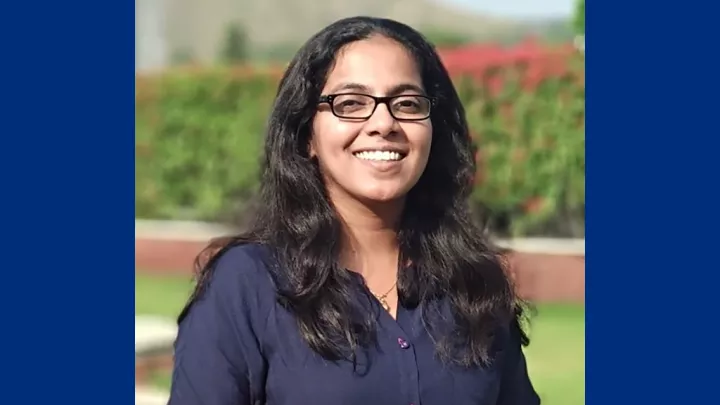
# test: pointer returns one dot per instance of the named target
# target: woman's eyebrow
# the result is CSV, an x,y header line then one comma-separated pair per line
x,y
395,90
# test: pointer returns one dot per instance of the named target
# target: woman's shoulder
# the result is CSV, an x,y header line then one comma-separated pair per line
x,y
244,254
242,268
231,300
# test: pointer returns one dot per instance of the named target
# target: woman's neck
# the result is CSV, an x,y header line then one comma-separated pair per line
x,y
369,240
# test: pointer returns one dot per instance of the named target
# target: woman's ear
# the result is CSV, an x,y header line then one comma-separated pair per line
x,y
311,149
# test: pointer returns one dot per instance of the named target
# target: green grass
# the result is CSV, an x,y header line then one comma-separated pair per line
x,y
163,296
556,355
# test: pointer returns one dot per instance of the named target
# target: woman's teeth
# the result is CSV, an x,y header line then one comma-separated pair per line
x,y
379,155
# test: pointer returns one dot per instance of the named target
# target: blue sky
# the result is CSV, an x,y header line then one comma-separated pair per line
x,y
518,8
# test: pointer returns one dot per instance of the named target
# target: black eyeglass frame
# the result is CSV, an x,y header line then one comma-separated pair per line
x,y
328,99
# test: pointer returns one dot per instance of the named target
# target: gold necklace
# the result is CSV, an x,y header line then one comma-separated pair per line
x,y
383,298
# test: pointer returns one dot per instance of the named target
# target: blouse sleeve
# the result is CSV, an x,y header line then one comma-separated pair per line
x,y
515,386
217,354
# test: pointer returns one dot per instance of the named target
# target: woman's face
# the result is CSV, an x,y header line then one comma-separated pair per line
x,y
378,159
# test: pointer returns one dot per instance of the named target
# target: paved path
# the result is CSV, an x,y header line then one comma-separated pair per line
x,y
154,338
150,396
154,334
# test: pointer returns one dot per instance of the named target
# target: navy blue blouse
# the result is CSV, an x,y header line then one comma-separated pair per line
x,y
238,346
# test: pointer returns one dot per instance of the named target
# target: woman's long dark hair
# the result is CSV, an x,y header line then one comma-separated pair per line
x,y
452,261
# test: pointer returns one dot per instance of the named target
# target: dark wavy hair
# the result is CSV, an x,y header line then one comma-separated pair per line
x,y
452,260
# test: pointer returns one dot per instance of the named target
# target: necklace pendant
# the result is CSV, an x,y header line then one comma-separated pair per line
x,y
385,304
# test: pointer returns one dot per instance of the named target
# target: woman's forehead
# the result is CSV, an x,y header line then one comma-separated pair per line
x,y
376,65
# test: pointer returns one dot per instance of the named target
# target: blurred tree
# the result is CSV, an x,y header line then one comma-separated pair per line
x,y
281,52
579,25
182,56
445,39
235,49
579,20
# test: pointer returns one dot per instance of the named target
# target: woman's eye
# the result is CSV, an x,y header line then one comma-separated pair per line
x,y
407,105
350,105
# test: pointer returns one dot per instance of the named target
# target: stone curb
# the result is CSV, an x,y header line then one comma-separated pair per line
x,y
191,231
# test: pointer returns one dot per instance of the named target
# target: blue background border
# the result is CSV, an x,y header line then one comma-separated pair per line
x,y
67,170
652,226
67,202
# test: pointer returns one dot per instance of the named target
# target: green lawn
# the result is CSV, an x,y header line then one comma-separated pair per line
x,y
556,356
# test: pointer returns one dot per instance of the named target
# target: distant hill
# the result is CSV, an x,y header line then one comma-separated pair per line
x,y
198,27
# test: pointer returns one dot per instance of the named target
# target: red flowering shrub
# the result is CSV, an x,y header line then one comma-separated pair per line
x,y
199,134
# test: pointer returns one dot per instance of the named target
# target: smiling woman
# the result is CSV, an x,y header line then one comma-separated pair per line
x,y
363,278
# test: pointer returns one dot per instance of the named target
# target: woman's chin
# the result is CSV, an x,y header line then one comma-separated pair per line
x,y
371,192
380,196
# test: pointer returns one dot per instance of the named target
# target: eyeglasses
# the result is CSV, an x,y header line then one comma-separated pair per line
x,y
358,106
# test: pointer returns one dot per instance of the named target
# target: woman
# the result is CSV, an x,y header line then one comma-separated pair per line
x,y
362,279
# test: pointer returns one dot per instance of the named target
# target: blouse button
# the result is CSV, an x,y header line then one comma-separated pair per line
x,y
403,344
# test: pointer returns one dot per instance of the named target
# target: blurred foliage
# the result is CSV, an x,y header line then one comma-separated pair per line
x,y
198,141
199,137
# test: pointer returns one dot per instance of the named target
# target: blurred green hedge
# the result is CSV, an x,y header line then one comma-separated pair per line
x,y
199,137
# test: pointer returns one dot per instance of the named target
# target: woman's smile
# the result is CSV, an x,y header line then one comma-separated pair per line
x,y
384,160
